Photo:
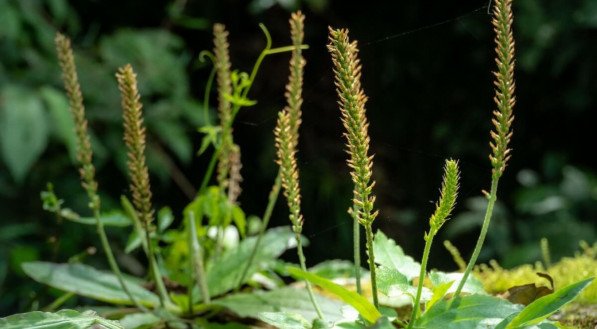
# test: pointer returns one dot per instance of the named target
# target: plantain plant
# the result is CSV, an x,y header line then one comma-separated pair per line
x,y
213,269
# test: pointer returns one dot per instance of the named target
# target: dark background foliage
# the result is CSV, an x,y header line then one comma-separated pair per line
x,y
426,70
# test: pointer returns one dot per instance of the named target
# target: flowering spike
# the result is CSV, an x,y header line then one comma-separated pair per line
x,y
134,138
504,83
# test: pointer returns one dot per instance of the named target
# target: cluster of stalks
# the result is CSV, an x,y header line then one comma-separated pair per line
x,y
347,70
232,90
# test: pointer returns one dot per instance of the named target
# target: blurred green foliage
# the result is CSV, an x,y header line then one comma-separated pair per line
x,y
36,128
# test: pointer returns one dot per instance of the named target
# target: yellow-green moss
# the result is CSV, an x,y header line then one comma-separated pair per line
x,y
567,271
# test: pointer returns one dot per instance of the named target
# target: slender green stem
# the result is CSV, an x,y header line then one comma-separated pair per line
x,y
484,229
197,263
416,308
267,51
356,238
545,252
301,255
284,49
369,236
59,301
111,260
210,169
155,271
273,197
210,81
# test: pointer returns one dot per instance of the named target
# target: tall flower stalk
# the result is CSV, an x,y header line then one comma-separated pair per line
x,y
228,170
352,99
294,101
85,152
286,159
443,209
224,83
134,138
502,116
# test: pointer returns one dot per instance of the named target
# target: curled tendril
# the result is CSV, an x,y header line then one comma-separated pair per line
x,y
268,37
205,54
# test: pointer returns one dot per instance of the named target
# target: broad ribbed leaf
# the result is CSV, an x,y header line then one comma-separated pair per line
x,y
223,275
467,312
137,320
86,281
65,319
290,300
285,320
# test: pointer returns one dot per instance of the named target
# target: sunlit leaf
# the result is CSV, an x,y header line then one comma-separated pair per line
x,y
388,254
64,319
543,307
360,303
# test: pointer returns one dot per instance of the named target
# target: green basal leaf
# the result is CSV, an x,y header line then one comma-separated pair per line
x,y
383,323
360,303
388,254
228,325
139,320
86,281
64,319
333,269
467,312
387,277
223,275
472,285
290,300
285,320
543,307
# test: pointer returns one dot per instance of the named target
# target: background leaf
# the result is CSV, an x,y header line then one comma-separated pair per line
x,y
23,129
